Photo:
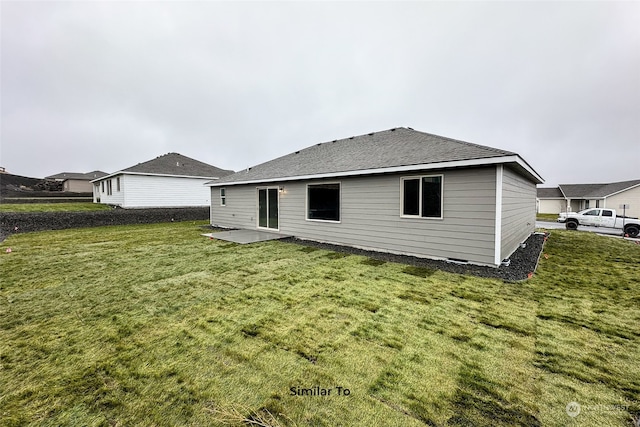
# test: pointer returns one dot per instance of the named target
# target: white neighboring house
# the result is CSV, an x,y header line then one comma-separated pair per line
x,y
168,181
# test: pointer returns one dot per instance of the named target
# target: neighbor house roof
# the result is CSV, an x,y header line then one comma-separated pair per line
x,y
596,191
89,176
550,193
586,191
397,149
174,164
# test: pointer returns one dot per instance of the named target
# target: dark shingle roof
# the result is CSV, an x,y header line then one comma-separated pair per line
x,y
390,148
76,175
550,193
579,190
177,164
596,191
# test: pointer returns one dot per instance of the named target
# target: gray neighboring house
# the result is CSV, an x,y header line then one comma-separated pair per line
x,y
76,182
576,197
398,191
170,180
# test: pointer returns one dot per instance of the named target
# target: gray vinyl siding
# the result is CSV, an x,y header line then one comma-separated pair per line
x,y
240,210
518,211
370,215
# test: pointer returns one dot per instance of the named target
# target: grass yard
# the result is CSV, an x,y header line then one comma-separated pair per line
x,y
156,325
547,217
53,207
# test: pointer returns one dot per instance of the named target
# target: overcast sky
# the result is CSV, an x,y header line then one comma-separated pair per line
x,y
106,85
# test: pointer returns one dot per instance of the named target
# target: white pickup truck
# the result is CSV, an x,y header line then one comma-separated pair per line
x,y
600,218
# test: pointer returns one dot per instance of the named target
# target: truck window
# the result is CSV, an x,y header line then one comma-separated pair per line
x,y
607,213
593,212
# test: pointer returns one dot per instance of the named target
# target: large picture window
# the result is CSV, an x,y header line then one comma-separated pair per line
x,y
323,202
422,196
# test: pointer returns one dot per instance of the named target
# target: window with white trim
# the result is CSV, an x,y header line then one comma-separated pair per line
x,y
323,202
223,197
421,196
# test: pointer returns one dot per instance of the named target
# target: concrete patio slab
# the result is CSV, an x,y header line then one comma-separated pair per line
x,y
244,237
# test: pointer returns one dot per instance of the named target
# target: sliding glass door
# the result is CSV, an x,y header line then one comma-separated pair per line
x,y
268,208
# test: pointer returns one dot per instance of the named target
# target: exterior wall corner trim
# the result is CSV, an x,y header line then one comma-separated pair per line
x,y
498,224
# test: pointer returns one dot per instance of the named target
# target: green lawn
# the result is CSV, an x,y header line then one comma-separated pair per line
x,y
52,207
157,325
547,217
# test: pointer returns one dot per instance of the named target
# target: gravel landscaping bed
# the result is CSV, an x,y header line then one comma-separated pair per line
x,y
23,222
523,261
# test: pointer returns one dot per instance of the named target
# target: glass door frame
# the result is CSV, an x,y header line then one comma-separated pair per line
x,y
268,201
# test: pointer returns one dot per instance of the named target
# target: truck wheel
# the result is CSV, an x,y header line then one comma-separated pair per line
x,y
572,225
632,231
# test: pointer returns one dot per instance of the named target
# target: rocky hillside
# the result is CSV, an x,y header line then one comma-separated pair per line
x,y
14,187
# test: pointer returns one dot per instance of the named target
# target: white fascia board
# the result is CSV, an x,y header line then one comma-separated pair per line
x,y
408,168
564,195
528,168
153,174
588,198
107,176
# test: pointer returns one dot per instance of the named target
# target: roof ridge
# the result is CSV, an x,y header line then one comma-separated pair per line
x,y
605,183
407,128
173,163
594,183
395,148
597,190
486,147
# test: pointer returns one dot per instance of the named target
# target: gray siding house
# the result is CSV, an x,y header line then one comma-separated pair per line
x,y
76,182
399,191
